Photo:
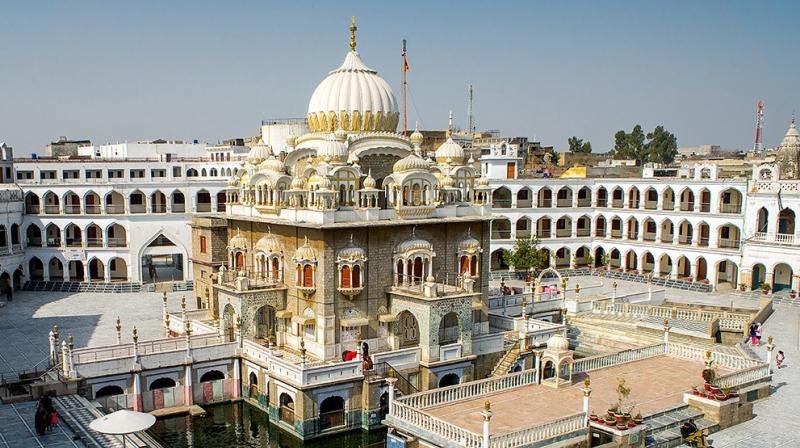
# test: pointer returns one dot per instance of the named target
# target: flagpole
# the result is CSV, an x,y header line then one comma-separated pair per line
x,y
405,87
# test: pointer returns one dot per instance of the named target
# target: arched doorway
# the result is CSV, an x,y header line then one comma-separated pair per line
x,y
549,370
727,275
265,322
449,329
162,383
56,269
97,270
781,277
409,330
286,409
331,413
36,269
108,391
758,276
451,379
76,273
212,375
253,383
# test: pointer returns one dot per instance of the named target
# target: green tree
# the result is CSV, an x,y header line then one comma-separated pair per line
x,y
630,145
662,146
526,254
577,146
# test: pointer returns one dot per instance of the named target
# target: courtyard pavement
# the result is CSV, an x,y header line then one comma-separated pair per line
x,y
17,430
775,423
89,317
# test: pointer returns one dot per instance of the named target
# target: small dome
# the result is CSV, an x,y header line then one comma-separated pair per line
x,y
238,242
483,181
411,162
258,153
558,342
792,137
305,252
321,182
369,182
298,183
450,152
414,244
448,182
273,165
416,138
233,181
270,244
352,252
291,140
469,244
333,150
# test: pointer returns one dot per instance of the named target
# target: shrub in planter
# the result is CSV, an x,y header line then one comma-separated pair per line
x,y
593,417
631,424
621,427
638,419
792,294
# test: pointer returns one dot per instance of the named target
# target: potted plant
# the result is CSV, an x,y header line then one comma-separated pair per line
x,y
709,375
593,417
742,287
765,288
609,420
623,392
637,418
792,294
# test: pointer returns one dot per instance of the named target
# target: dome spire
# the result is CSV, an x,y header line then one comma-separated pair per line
x,y
353,29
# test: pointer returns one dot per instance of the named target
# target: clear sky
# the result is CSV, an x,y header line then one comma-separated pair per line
x,y
115,71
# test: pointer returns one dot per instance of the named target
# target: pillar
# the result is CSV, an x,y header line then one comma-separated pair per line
x,y
487,416
770,348
138,404
390,382
237,377
666,332
587,392
537,361
53,348
64,359
188,397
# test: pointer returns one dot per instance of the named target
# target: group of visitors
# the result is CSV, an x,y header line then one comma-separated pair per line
x,y
46,417
755,334
755,340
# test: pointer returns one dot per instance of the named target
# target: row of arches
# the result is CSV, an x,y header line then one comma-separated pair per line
x,y
95,270
727,236
783,226
687,199
114,235
114,202
645,262
212,172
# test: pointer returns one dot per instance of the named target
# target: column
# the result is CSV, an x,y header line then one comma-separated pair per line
x,y
138,404
487,416
770,348
237,377
213,202
390,383
587,392
666,332
536,367
86,272
188,397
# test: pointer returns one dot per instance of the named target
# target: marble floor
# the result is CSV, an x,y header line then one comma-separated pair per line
x,y
17,429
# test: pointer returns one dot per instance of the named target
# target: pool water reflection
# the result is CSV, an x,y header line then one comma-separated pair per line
x,y
241,425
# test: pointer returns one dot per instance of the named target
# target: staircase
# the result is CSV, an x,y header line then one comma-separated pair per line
x,y
385,370
507,361
663,428
592,334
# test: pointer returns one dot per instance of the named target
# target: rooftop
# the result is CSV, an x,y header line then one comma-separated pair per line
x,y
656,383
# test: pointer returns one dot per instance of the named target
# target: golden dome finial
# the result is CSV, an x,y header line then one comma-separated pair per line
x,y
353,29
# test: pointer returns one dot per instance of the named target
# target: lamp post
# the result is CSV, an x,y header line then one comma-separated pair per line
x,y
487,416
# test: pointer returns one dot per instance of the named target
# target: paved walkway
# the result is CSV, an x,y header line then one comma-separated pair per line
x,y
17,430
90,317
776,423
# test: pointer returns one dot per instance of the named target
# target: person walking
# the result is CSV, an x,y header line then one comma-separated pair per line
x,y
779,359
753,340
9,293
758,332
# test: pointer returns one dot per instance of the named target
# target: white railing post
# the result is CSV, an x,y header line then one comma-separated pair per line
x,y
770,348
587,391
487,416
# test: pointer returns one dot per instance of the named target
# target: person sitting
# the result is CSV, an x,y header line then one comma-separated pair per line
x,y
689,432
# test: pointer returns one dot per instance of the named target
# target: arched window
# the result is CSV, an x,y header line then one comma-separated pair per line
x,y
473,267
356,276
299,275
308,276
344,280
465,265
275,268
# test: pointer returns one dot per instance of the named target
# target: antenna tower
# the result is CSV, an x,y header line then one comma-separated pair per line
x,y
471,126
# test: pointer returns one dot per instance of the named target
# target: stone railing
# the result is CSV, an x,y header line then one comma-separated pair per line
x,y
743,377
408,415
94,354
613,359
294,372
538,433
732,320
468,390
726,360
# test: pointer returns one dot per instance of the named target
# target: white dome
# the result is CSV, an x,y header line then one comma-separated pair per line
x,y
369,182
450,152
354,98
305,252
298,183
416,138
269,244
259,153
333,150
792,137
558,342
411,162
272,165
